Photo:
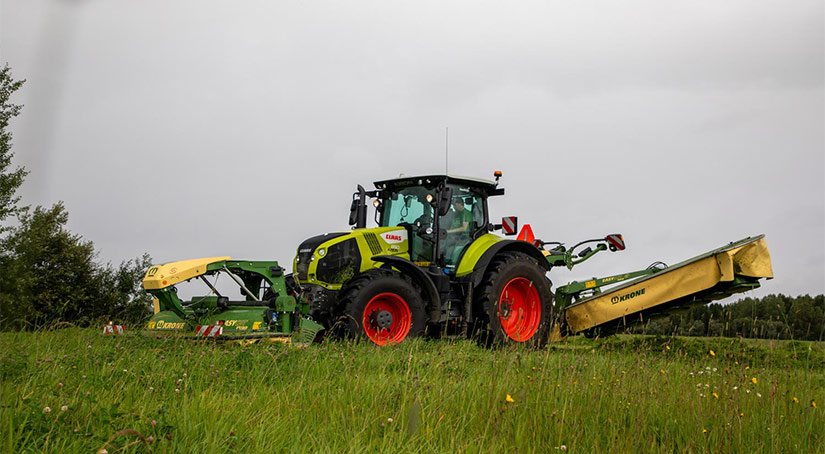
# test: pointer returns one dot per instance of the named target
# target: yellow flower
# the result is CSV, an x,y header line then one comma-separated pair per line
x,y
736,362
667,347
716,396
795,400
509,399
747,367
813,404
712,354
741,414
753,380
662,371
704,431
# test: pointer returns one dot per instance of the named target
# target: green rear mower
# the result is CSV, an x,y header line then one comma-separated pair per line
x,y
433,266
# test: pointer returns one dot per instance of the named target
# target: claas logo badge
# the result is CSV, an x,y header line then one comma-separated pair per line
x,y
152,271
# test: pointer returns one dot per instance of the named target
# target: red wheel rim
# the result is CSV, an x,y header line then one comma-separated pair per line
x,y
519,309
401,319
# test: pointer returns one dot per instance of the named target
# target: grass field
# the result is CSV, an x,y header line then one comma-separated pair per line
x,y
73,390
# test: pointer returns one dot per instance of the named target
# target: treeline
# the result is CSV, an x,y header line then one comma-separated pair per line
x,y
769,317
49,276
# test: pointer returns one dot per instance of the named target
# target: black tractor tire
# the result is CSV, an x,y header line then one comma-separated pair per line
x,y
514,302
383,306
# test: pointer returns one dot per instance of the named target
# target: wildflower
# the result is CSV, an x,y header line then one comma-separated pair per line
x,y
150,439
715,396
59,385
736,362
735,388
712,353
154,423
103,451
704,431
753,380
125,370
389,420
151,389
813,404
795,400
758,395
47,410
89,346
667,347
563,448
509,399
64,408
741,414
177,390
184,375
662,371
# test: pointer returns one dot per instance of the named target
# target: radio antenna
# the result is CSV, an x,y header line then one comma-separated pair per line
x,y
446,150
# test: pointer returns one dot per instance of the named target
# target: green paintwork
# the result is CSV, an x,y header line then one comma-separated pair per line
x,y
563,257
566,295
474,252
243,318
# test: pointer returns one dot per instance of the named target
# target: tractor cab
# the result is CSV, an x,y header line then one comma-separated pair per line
x,y
442,214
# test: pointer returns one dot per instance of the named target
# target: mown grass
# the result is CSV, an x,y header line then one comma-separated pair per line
x,y
622,394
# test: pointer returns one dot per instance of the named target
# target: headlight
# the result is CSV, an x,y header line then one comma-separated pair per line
x,y
321,252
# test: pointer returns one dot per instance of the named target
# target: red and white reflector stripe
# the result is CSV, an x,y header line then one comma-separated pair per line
x,y
509,224
113,329
616,241
209,330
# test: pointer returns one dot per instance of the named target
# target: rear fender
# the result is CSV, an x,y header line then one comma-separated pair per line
x,y
503,245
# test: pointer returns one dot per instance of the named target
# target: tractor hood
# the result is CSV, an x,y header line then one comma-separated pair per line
x,y
331,259
162,276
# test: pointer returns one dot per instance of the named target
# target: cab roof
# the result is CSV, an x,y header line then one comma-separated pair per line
x,y
405,180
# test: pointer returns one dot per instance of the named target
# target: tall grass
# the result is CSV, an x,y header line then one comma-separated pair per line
x,y
623,394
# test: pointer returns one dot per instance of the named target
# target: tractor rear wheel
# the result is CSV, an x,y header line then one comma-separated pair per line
x,y
516,299
383,306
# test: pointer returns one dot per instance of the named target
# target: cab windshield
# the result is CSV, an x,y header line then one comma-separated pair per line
x,y
407,205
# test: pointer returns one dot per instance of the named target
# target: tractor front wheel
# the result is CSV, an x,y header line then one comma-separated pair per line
x,y
516,300
384,307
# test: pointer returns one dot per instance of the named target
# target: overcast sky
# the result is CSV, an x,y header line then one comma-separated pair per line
x,y
199,128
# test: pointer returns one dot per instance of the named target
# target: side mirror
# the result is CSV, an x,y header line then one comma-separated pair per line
x,y
444,199
353,212
615,242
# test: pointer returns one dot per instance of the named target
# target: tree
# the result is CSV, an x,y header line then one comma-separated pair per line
x,y
10,179
48,272
50,275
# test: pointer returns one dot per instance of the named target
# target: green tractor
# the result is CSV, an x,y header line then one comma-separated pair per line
x,y
430,266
